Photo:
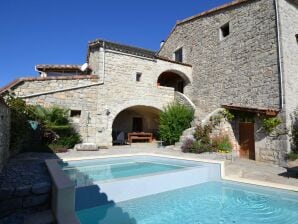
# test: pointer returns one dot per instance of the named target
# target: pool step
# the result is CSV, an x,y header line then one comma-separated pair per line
x,y
126,189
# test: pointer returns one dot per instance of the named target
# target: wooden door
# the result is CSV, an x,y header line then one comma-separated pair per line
x,y
137,124
247,140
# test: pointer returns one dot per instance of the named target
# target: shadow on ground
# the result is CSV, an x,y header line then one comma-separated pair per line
x,y
292,172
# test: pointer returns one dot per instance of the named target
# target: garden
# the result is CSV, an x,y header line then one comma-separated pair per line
x,y
35,128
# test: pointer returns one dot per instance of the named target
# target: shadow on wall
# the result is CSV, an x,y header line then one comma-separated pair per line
x,y
99,208
94,206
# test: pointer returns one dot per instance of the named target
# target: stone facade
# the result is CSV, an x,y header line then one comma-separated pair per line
x,y
4,133
242,68
243,53
103,95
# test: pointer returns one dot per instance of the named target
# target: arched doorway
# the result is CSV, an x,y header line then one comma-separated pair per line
x,y
173,79
137,119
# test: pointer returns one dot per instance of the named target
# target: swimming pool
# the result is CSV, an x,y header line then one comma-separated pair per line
x,y
152,190
87,172
207,203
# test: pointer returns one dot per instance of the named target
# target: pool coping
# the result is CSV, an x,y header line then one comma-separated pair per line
x,y
58,189
222,170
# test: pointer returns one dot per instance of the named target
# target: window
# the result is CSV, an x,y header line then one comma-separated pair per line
x,y
224,31
138,76
179,55
75,113
296,37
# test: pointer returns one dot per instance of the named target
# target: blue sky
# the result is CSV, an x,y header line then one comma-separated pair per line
x,y
57,31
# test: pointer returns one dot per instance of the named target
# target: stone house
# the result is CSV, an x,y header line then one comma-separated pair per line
x,y
240,56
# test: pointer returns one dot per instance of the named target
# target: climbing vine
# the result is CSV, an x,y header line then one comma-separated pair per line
x,y
270,124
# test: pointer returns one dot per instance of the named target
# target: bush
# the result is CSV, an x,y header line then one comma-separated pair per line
x,y
292,156
269,124
173,121
294,131
222,144
53,122
202,133
20,129
187,145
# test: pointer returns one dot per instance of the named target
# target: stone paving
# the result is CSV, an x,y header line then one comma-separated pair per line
x,y
25,187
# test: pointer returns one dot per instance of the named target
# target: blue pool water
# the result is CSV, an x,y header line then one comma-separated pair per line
x,y
87,172
206,203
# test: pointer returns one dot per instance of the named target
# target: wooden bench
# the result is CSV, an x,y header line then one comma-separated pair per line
x,y
139,136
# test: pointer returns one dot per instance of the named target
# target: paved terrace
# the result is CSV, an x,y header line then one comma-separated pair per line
x,y
239,168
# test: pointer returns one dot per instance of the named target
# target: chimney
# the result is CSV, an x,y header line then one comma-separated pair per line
x,y
162,43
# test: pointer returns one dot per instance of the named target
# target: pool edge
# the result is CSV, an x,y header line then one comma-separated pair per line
x,y
222,169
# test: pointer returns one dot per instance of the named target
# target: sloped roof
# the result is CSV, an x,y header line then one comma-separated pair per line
x,y
45,67
121,47
19,81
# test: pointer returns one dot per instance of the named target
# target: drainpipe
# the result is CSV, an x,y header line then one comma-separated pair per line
x,y
280,65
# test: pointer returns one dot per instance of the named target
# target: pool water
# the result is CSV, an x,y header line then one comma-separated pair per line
x,y
89,173
207,203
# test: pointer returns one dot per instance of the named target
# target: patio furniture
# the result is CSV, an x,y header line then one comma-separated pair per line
x,y
120,139
139,136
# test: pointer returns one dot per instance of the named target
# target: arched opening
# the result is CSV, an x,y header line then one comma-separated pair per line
x,y
136,119
172,79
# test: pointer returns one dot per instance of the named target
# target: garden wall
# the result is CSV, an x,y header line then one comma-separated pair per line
x,y
4,132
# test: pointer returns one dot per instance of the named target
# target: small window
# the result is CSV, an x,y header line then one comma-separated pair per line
x,y
296,37
179,55
138,76
224,31
75,113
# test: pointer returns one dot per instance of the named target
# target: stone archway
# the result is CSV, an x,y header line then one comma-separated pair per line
x,y
174,79
137,118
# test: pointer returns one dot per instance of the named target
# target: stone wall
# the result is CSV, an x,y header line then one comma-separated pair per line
x,y
288,11
242,68
122,91
101,96
4,133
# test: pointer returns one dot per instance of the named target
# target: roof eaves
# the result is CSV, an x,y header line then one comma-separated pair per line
x,y
122,48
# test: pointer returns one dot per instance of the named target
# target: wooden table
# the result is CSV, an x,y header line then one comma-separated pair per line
x,y
139,136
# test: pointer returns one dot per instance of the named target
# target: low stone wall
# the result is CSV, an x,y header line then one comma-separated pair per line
x,y
4,133
25,185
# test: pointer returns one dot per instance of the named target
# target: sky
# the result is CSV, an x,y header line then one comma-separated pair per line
x,y
57,31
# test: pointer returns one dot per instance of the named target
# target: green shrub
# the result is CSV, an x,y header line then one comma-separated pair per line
x,y
173,121
222,144
269,124
20,128
292,156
